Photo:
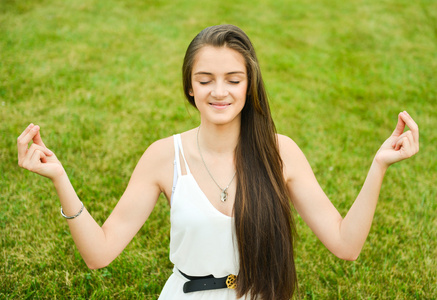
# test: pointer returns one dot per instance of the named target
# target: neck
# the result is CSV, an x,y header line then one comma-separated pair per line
x,y
220,139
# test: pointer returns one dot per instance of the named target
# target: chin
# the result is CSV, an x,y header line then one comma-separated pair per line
x,y
225,121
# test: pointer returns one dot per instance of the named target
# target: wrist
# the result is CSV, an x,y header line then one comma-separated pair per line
x,y
380,166
60,177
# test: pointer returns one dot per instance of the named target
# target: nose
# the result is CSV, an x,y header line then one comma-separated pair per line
x,y
219,91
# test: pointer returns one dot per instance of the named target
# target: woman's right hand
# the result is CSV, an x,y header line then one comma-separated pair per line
x,y
37,158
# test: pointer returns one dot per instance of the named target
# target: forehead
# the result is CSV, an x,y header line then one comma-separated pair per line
x,y
218,60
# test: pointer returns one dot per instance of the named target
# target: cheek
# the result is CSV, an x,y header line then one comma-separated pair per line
x,y
199,90
242,91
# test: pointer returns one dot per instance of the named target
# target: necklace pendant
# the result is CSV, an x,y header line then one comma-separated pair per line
x,y
224,195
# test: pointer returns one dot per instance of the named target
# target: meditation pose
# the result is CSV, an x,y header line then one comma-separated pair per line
x,y
231,183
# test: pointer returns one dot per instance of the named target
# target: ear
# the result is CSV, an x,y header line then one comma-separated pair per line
x,y
190,92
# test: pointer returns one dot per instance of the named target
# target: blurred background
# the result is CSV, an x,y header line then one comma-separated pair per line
x,y
103,80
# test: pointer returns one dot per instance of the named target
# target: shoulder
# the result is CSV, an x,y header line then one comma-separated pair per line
x,y
160,154
158,157
165,147
294,161
155,167
161,148
286,145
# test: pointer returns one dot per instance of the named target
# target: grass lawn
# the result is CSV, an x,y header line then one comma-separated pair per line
x,y
103,80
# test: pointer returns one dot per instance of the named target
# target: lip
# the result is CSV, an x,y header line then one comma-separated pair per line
x,y
220,105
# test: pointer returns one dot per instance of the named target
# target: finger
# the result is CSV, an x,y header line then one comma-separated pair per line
x,y
45,150
36,159
25,160
405,147
37,139
407,134
400,142
42,157
21,141
26,130
404,138
411,143
411,124
399,127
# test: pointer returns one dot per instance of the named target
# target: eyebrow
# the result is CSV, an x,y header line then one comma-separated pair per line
x,y
229,73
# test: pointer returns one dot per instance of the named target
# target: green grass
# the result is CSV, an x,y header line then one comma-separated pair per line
x,y
102,78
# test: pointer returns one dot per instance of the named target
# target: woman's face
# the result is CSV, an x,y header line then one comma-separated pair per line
x,y
219,84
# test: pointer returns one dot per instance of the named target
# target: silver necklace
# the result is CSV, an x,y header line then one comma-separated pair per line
x,y
224,192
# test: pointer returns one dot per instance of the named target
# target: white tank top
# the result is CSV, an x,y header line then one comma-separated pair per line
x,y
201,238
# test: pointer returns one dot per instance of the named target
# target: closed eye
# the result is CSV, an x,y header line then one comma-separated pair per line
x,y
234,82
204,82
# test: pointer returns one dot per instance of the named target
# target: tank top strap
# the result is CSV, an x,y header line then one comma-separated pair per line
x,y
177,163
180,149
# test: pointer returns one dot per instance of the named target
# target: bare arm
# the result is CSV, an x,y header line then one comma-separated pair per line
x,y
97,245
345,237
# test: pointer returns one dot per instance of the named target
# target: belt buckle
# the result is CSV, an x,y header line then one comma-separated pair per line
x,y
231,282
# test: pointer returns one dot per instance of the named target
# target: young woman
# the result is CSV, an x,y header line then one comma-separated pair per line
x,y
230,183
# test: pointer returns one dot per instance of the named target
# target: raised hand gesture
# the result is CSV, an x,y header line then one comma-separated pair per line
x,y
37,158
400,145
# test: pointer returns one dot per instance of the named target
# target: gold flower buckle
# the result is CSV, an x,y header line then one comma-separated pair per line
x,y
231,282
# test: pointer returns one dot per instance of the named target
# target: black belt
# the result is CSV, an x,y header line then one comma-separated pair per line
x,y
204,283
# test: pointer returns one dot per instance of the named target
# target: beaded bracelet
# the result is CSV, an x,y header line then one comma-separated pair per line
x,y
76,215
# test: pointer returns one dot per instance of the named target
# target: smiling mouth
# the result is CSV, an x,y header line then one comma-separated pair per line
x,y
220,105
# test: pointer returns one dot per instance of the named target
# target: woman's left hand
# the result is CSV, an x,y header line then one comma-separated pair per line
x,y
400,145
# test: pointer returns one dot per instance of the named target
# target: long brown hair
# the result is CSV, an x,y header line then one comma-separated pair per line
x,y
262,211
